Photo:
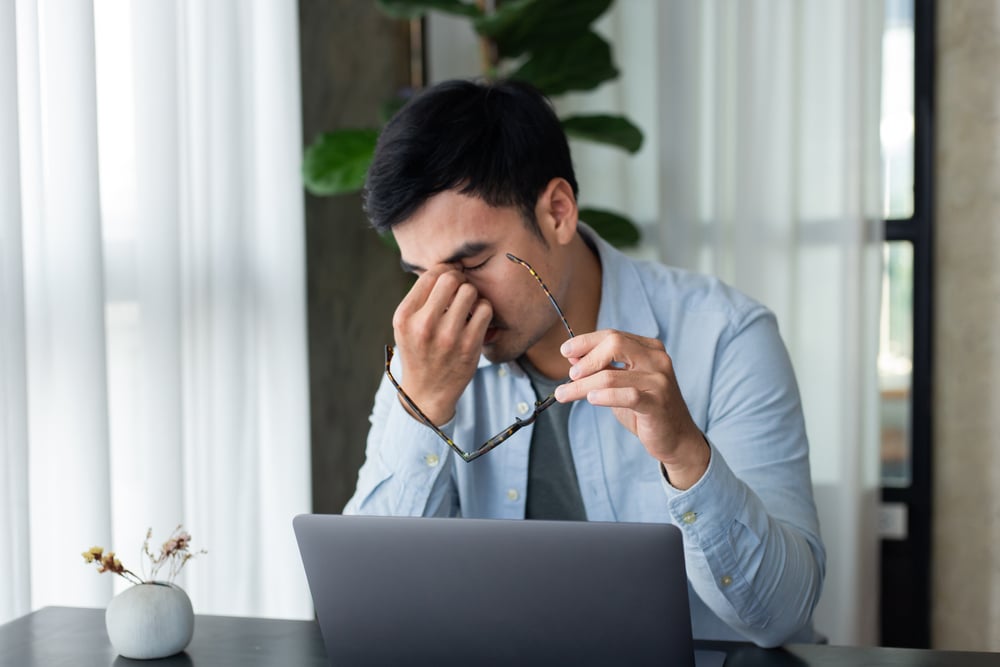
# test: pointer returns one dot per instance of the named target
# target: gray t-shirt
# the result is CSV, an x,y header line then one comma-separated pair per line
x,y
553,489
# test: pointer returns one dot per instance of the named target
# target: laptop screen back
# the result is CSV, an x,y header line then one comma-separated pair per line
x,y
392,590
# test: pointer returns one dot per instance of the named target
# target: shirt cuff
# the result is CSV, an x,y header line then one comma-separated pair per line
x,y
706,510
411,449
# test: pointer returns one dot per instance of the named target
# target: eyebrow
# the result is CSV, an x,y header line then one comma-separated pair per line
x,y
468,249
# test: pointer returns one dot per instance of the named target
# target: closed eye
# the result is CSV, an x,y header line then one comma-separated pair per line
x,y
477,266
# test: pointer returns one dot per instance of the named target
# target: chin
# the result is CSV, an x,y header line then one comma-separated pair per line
x,y
498,354
495,355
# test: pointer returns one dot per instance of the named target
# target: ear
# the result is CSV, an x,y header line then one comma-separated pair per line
x,y
556,211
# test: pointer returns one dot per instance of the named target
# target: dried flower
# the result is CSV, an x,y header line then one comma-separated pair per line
x,y
174,553
93,554
108,562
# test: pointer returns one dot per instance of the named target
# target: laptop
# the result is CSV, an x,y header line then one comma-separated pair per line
x,y
440,591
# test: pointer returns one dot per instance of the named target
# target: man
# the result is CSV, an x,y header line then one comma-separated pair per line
x,y
674,401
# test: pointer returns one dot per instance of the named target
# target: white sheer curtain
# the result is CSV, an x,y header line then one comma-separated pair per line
x,y
769,147
761,166
152,340
15,590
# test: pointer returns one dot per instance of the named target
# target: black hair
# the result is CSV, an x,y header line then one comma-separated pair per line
x,y
498,141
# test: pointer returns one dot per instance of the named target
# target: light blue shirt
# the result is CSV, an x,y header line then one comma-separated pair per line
x,y
755,560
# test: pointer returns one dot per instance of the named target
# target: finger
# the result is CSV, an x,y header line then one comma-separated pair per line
x,y
443,292
417,297
634,390
577,390
569,392
623,351
479,320
581,344
614,350
481,314
457,312
616,397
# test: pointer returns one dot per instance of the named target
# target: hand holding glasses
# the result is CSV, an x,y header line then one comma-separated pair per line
x,y
518,422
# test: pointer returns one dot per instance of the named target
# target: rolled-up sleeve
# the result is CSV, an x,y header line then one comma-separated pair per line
x,y
753,550
407,466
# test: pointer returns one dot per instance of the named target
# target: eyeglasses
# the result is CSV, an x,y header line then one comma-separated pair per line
x,y
519,423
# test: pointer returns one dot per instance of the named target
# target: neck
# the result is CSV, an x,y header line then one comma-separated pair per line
x,y
580,300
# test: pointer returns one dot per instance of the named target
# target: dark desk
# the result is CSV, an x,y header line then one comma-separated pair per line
x,y
57,636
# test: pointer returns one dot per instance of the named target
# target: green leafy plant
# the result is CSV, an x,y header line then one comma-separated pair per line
x,y
548,43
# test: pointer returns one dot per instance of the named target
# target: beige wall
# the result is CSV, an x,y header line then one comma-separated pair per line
x,y
966,530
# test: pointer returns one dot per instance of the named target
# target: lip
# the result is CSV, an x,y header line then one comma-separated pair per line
x,y
491,334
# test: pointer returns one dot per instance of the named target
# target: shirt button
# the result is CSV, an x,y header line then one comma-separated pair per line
x,y
502,371
512,494
523,408
726,580
432,460
689,517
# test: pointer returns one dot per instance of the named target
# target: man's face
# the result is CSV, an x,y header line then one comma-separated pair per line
x,y
467,234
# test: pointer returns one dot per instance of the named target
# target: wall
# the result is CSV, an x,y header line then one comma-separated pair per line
x,y
353,59
966,531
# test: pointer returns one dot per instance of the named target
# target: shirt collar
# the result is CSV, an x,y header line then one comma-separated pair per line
x,y
624,303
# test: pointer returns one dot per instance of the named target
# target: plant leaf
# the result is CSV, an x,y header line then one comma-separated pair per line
x,y
614,228
502,23
337,162
520,26
414,9
602,128
582,64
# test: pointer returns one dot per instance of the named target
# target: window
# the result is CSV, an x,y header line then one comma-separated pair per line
x,y
896,131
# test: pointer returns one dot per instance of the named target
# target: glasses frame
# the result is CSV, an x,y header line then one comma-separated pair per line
x,y
492,443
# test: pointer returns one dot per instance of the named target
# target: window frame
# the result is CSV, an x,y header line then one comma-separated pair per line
x,y
906,563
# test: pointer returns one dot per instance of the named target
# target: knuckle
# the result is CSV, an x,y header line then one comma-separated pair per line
x,y
469,349
609,378
448,339
420,338
667,364
604,380
420,330
407,322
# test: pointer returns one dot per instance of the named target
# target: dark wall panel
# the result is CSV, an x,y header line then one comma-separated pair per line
x,y
352,60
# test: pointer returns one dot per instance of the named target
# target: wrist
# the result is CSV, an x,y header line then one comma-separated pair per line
x,y
439,415
690,463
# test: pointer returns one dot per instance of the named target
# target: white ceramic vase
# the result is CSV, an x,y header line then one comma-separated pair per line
x,y
150,620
